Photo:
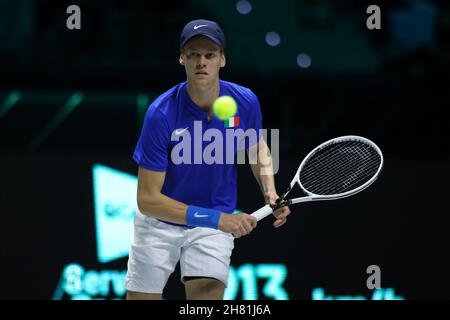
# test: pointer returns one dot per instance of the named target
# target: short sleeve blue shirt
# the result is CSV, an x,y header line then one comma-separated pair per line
x,y
197,154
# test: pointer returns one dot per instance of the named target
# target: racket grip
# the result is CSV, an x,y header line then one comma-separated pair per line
x,y
262,212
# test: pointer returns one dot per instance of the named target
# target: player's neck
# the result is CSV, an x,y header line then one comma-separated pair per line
x,y
204,96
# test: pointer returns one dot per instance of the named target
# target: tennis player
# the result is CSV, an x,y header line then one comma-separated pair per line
x,y
186,209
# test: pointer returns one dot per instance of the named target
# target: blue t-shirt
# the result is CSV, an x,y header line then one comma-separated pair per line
x,y
177,138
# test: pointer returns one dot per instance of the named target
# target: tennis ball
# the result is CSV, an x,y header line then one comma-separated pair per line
x,y
224,107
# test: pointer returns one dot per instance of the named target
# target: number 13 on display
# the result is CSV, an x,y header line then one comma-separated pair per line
x,y
248,275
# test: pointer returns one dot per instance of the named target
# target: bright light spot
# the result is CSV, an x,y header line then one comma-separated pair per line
x,y
243,7
273,38
304,60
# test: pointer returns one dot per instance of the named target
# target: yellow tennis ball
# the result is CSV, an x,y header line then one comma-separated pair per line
x,y
224,107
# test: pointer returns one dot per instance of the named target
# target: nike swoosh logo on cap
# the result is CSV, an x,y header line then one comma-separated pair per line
x,y
199,26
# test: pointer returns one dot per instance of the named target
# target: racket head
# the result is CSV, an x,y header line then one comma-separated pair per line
x,y
340,167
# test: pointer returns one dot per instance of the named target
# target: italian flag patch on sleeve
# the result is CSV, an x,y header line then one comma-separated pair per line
x,y
232,122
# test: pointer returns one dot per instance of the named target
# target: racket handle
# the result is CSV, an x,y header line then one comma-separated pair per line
x,y
263,212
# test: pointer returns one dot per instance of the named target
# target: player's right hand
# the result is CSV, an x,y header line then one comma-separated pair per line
x,y
238,225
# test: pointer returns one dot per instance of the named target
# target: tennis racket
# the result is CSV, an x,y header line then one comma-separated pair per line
x,y
336,169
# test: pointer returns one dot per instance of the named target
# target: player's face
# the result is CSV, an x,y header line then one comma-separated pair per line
x,y
202,60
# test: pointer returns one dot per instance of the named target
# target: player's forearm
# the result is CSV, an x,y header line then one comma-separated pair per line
x,y
162,207
262,169
266,183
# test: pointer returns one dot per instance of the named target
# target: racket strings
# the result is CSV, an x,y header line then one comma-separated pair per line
x,y
351,183
336,182
329,166
337,177
319,157
339,167
333,172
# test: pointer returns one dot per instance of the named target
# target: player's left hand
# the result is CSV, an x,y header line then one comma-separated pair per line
x,y
280,214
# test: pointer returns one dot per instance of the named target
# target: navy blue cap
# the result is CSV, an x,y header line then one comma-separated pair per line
x,y
202,27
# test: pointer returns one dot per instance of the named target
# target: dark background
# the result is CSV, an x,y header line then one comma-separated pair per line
x,y
389,85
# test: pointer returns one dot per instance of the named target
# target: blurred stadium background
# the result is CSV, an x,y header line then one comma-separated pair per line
x,y
72,104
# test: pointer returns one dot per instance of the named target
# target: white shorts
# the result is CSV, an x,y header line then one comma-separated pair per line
x,y
157,247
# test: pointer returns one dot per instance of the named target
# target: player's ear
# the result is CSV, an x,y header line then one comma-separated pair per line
x,y
223,61
181,59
